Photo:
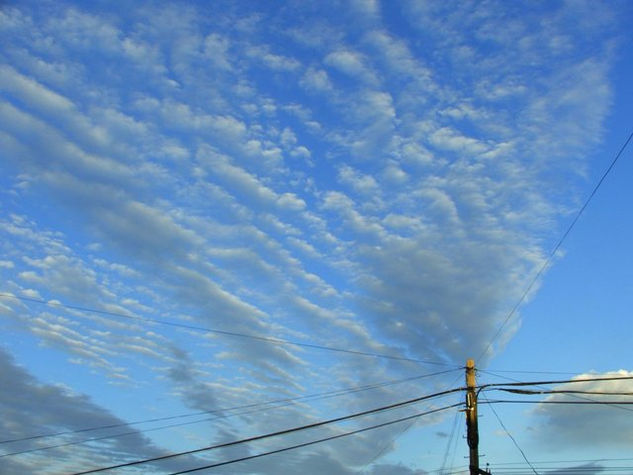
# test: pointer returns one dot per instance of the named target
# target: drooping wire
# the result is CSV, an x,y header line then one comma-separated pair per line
x,y
565,391
595,403
274,341
325,439
516,444
529,372
281,403
279,433
541,383
552,254
559,381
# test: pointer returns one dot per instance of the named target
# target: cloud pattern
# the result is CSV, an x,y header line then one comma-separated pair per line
x,y
385,179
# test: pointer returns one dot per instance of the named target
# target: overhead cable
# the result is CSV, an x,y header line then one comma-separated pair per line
x,y
278,433
313,442
589,470
274,341
396,436
281,403
564,391
514,441
529,372
537,383
386,445
560,381
556,247
449,444
520,401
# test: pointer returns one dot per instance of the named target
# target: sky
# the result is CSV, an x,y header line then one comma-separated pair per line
x,y
234,218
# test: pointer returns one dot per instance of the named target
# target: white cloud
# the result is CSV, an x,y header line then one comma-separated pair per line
x,y
216,49
352,64
34,93
447,139
291,201
273,61
394,174
561,425
361,183
316,80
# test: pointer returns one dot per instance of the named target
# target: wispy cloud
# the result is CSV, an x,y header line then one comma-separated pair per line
x,y
322,179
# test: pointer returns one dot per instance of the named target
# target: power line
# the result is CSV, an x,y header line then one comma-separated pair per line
x,y
396,436
538,383
278,433
591,470
560,381
449,444
519,467
556,247
325,439
529,372
275,341
386,445
461,432
520,401
567,391
280,402
460,435
546,462
224,409
516,444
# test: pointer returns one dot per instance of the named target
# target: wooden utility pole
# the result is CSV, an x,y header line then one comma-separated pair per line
x,y
472,430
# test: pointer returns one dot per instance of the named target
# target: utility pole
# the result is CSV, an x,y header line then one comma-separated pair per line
x,y
472,429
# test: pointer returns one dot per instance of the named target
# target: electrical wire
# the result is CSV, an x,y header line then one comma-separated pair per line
x,y
549,259
565,391
397,436
521,383
449,444
518,467
281,403
521,401
460,435
530,372
387,444
325,439
274,341
560,381
278,433
545,462
590,470
516,444
461,431
352,389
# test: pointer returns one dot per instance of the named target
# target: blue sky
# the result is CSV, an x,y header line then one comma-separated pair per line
x,y
385,178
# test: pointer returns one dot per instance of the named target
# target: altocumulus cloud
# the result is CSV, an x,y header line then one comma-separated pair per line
x,y
312,173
